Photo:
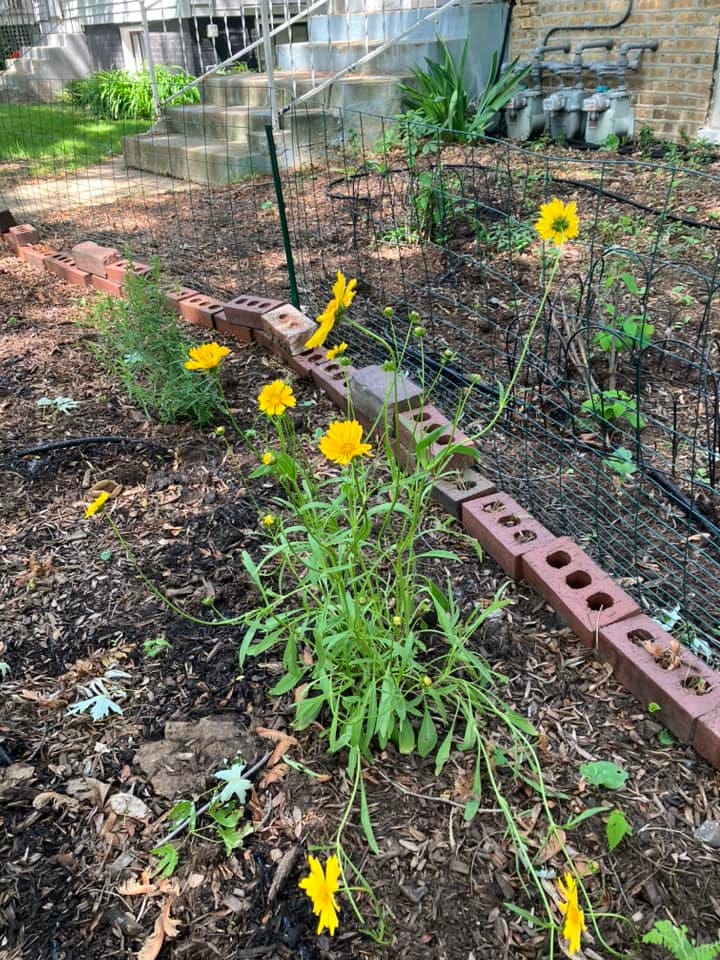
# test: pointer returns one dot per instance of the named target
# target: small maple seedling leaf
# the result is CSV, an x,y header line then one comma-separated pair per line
x,y
235,784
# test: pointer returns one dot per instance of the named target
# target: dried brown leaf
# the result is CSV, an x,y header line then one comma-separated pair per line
x,y
283,740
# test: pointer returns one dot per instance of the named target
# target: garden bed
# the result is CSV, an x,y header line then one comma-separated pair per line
x,y
74,608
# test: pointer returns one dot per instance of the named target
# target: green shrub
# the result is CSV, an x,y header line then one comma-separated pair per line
x,y
142,345
438,98
117,94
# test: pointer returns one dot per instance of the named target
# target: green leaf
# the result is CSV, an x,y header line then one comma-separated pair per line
x,y
167,857
366,822
406,737
585,815
427,735
181,812
443,754
603,773
666,739
232,838
106,554
235,784
617,827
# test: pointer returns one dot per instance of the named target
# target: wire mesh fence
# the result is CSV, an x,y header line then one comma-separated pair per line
x,y
612,433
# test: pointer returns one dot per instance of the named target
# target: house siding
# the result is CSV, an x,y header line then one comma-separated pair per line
x,y
671,91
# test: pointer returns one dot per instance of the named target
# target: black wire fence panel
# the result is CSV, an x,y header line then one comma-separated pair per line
x,y
611,436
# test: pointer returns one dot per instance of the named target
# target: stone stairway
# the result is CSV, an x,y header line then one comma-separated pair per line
x,y
222,139
44,69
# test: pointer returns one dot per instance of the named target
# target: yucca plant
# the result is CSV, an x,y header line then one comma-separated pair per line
x,y
438,100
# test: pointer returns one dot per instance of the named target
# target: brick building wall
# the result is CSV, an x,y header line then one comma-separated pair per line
x,y
672,90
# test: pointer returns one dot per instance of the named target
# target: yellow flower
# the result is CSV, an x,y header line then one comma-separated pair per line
x,y
558,222
97,504
574,918
321,887
427,682
326,322
343,296
336,351
268,520
275,398
342,442
343,293
206,357
397,621
268,459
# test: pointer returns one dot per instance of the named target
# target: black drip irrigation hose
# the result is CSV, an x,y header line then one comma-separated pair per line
x,y
52,445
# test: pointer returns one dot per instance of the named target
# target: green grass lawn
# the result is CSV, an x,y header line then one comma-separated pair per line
x,y
59,137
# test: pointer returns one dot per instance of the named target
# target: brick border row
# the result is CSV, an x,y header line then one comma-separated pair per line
x,y
645,658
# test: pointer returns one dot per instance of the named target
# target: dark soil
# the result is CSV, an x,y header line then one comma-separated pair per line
x,y
73,607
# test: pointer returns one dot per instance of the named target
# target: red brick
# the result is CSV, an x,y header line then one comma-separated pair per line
x,y
454,490
289,327
21,236
304,363
33,256
199,309
248,310
271,346
235,330
505,529
332,377
107,286
93,258
414,425
684,693
118,270
575,586
64,267
706,737
173,298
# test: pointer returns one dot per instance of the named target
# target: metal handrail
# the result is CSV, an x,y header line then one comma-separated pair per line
x,y
248,49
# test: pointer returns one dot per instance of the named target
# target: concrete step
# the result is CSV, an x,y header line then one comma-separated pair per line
x,y
331,28
211,162
366,92
216,162
237,123
396,59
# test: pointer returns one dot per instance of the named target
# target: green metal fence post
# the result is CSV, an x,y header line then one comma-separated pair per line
x,y
287,244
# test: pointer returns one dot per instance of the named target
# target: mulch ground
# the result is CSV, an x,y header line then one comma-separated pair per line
x,y
74,610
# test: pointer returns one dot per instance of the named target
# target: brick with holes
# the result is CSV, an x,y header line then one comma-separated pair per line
x,y
653,666
289,327
414,425
333,377
63,266
452,491
94,259
505,529
576,588
247,310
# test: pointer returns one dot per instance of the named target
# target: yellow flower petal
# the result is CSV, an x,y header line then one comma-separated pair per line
x,y
275,398
336,351
574,925
343,441
206,357
321,886
558,222
326,322
97,504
